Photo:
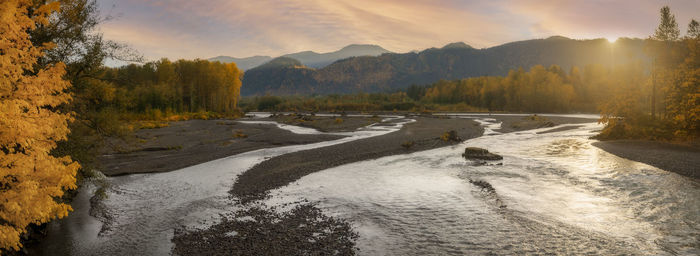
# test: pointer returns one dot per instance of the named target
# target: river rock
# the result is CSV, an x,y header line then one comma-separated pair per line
x,y
480,153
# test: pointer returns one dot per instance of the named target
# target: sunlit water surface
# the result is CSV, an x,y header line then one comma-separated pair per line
x,y
554,193
145,209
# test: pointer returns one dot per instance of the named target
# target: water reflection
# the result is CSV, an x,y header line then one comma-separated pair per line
x,y
561,195
554,193
142,210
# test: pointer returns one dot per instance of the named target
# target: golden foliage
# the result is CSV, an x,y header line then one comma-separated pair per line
x,y
30,178
675,75
683,96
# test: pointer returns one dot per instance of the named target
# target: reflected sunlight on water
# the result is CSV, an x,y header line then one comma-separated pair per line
x,y
561,195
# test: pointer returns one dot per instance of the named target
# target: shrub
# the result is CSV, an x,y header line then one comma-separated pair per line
x,y
450,136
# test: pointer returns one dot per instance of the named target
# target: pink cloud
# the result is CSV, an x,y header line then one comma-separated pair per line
x,y
190,29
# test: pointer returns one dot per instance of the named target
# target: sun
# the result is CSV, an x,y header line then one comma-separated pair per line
x,y
611,39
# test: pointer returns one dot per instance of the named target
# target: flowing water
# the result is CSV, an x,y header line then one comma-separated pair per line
x,y
554,193
144,209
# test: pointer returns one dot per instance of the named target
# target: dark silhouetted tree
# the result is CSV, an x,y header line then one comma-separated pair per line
x,y
693,29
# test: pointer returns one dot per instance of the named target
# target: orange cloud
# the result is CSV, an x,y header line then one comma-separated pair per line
x,y
190,29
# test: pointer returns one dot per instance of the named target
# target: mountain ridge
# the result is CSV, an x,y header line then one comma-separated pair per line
x,y
393,71
308,58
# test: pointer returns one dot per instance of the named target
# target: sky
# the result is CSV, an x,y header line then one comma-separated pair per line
x,y
241,28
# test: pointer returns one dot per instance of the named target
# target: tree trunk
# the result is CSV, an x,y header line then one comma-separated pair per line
x,y
653,89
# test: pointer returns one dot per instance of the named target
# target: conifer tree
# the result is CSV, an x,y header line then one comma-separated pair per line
x,y
693,30
666,32
668,28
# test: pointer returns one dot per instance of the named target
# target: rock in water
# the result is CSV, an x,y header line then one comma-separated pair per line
x,y
480,153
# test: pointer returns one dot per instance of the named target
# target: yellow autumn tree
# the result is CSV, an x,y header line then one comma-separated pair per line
x,y
31,179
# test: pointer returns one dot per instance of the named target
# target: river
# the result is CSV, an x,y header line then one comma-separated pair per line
x,y
553,193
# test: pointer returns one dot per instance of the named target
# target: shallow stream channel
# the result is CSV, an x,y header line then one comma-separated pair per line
x,y
553,193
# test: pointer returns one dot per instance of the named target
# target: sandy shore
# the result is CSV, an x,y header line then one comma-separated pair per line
x,y
326,123
683,160
521,123
187,143
279,171
305,228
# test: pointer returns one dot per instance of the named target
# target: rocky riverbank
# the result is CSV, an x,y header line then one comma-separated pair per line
x,y
681,159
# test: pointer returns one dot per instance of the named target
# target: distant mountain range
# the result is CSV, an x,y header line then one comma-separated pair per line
x,y
393,71
308,58
319,60
243,63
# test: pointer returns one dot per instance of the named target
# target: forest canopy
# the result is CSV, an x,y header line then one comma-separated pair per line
x,y
181,86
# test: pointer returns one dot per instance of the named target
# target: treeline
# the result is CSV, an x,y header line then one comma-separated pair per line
x,y
359,102
181,86
665,105
538,90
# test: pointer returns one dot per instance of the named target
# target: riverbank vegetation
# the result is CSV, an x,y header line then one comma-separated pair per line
x,y
31,178
665,104
59,103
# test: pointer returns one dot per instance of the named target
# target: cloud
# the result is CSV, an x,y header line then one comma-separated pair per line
x,y
191,29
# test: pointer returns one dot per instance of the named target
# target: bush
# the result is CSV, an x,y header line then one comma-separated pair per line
x,y
268,102
450,136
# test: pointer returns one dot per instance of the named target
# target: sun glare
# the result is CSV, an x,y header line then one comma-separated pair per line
x,y
611,39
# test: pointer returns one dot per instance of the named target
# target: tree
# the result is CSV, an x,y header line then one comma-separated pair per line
x,y
31,179
78,43
666,32
668,28
684,94
693,30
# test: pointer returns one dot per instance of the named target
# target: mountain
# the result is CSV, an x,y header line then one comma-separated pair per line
x,y
319,60
279,62
308,58
456,45
243,63
390,72
282,75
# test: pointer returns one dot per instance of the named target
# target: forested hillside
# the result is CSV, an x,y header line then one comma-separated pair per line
x,y
390,72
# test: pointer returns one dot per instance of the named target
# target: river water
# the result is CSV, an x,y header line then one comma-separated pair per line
x,y
554,193
144,209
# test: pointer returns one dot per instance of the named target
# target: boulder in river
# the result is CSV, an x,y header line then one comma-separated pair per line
x,y
480,153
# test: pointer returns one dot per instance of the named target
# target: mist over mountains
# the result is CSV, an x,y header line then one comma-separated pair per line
x,y
308,58
392,71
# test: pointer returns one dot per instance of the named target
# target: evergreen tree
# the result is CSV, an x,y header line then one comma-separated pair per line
x,y
693,30
668,28
665,33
